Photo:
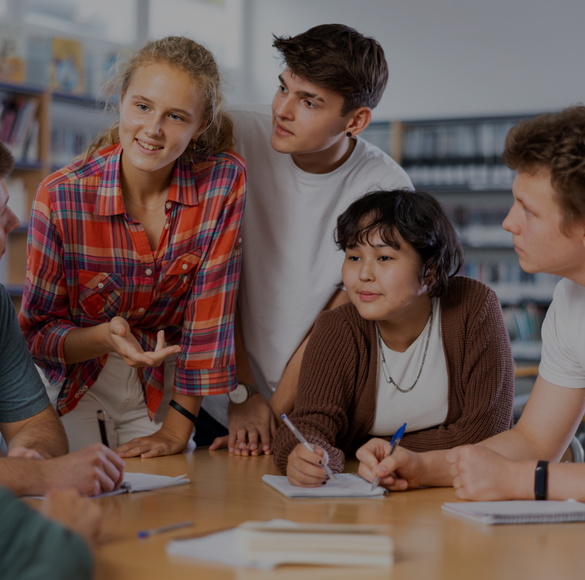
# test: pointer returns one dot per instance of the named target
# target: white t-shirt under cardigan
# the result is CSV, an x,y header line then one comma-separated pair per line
x,y
427,404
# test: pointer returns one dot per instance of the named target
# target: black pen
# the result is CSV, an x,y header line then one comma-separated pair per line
x,y
102,423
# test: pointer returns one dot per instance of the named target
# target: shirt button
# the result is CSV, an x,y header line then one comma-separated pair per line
x,y
239,240
168,205
77,395
85,387
167,226
100,285
141,310
148,272
184,266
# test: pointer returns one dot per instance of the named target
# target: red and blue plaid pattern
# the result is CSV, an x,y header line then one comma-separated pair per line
x,y
88,261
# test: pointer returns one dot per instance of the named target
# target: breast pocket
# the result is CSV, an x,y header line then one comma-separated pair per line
x,y
178,274
100,293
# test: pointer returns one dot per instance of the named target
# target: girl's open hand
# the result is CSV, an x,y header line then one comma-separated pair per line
x,y
123,342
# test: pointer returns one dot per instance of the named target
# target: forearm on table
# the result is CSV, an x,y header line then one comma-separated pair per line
x,y
518,445
177,423
24,476
436,470
564,481
83,344
559,409
44,433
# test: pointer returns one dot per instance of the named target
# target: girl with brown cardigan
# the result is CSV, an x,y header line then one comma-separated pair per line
x,y
364,373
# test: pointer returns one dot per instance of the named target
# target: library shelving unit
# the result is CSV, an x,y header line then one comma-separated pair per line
x,y
460,162
45,130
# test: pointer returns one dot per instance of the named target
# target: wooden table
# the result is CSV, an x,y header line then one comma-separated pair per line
x,y
226,490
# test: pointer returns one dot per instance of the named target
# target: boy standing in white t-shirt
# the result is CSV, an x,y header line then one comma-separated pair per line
x,y
306,163
548,224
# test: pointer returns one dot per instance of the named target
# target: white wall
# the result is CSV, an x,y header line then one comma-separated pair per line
x,y
446,57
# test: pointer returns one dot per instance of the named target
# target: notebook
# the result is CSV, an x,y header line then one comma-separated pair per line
x,y
519,512
140,482
145,482
265,545
348,485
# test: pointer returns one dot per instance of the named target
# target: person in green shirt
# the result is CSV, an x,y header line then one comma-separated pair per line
x,y
54,544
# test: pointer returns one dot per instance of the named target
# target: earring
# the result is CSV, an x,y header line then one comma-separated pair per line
x,y
348,134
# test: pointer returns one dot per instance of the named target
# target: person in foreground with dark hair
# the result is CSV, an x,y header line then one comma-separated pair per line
x,y
415,345
33,546
548,224
306,163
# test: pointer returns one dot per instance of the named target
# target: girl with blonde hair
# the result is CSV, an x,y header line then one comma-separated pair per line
x,y
134,259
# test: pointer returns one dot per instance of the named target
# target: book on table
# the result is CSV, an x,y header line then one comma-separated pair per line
x,y
269,544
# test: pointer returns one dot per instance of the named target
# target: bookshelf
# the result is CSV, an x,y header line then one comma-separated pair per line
x,y
45,130
460,162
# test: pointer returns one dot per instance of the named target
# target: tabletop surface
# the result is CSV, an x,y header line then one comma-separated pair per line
x,y
226,490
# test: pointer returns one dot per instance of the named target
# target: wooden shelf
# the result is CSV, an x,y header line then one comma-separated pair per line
x,y
32,174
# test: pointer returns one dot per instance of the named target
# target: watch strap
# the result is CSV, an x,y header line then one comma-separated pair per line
x,y
252,389
540,480
180,409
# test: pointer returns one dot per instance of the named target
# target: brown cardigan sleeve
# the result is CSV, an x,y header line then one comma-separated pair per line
x,y
480,368
326,391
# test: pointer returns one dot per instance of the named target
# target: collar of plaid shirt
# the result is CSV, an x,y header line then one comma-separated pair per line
x,y
109,201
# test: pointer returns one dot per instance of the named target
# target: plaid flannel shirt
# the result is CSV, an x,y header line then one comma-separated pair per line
x,y
88,261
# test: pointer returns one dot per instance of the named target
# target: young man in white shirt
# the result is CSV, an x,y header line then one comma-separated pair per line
x,y
306,163
548,224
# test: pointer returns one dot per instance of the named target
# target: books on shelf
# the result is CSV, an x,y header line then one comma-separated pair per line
x,y
523,324
466,139
19,126
380,135
12,53
474,176
67,74
18,201
509,281
68,143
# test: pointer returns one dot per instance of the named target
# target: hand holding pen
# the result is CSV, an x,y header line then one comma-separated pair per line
x,y
393,445
310,479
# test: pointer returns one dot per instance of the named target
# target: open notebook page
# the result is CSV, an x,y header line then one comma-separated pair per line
x,y
348,485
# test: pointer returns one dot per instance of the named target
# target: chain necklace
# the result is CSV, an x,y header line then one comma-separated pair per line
x,y
385,368
146,206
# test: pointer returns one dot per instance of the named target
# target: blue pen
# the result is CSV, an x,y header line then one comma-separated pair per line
x,y
310,447
393,445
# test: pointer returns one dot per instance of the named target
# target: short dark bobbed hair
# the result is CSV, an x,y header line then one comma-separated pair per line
x,y
420,220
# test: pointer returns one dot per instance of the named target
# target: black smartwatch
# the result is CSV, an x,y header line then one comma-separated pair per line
x,y
540,480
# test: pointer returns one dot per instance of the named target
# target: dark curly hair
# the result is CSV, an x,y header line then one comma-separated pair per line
x,y
420,220
6,161
553,141
338,58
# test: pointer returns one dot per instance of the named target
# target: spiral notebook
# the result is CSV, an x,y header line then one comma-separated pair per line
x,y
519,512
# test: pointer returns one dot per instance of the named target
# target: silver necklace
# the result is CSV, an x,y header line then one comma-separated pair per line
x,y
147,206
385,368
